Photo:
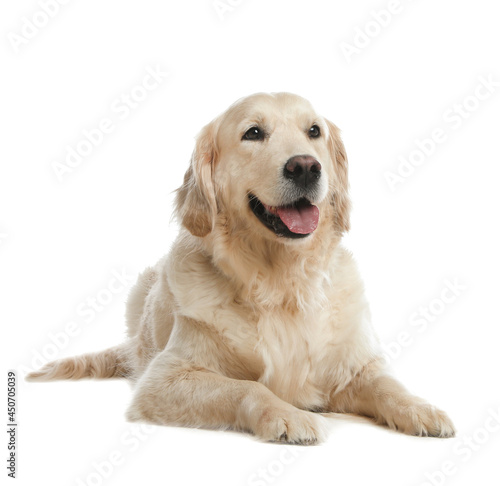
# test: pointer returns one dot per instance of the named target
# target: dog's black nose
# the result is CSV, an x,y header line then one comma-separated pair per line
x,y
304,170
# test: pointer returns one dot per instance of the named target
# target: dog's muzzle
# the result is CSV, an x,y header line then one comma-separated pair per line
x,y
298,218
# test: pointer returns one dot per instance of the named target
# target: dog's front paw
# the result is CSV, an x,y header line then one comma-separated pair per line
x,y
292,426
422,419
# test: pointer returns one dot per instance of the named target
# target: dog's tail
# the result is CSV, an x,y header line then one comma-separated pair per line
x,y
111,363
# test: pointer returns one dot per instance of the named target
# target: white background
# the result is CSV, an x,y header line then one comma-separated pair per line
x,y
60,241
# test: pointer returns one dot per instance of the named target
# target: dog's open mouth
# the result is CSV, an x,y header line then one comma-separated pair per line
x,y
297,220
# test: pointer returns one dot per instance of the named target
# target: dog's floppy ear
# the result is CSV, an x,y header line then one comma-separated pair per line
x,y
195,202
340,196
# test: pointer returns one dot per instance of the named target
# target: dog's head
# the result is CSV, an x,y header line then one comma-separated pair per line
x,y
269,164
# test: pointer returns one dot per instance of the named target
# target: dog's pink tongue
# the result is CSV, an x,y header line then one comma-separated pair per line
x,y
302,220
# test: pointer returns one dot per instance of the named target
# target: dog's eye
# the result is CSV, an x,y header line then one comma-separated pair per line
x,y
314,131
254,133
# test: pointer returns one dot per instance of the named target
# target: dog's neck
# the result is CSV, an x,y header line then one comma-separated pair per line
x,y
271,274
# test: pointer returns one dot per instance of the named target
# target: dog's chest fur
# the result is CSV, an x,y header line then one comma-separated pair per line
x,y
294,352
300,354
301,358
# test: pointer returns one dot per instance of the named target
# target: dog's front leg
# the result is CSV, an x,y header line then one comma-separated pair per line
x,y
176,392
374,393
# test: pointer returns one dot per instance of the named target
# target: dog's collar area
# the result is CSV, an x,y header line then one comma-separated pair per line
x,y
297,220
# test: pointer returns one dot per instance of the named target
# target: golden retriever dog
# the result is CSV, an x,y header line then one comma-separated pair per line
x,y
256,320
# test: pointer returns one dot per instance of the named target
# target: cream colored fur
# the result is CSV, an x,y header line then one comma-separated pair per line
x,y
237,327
